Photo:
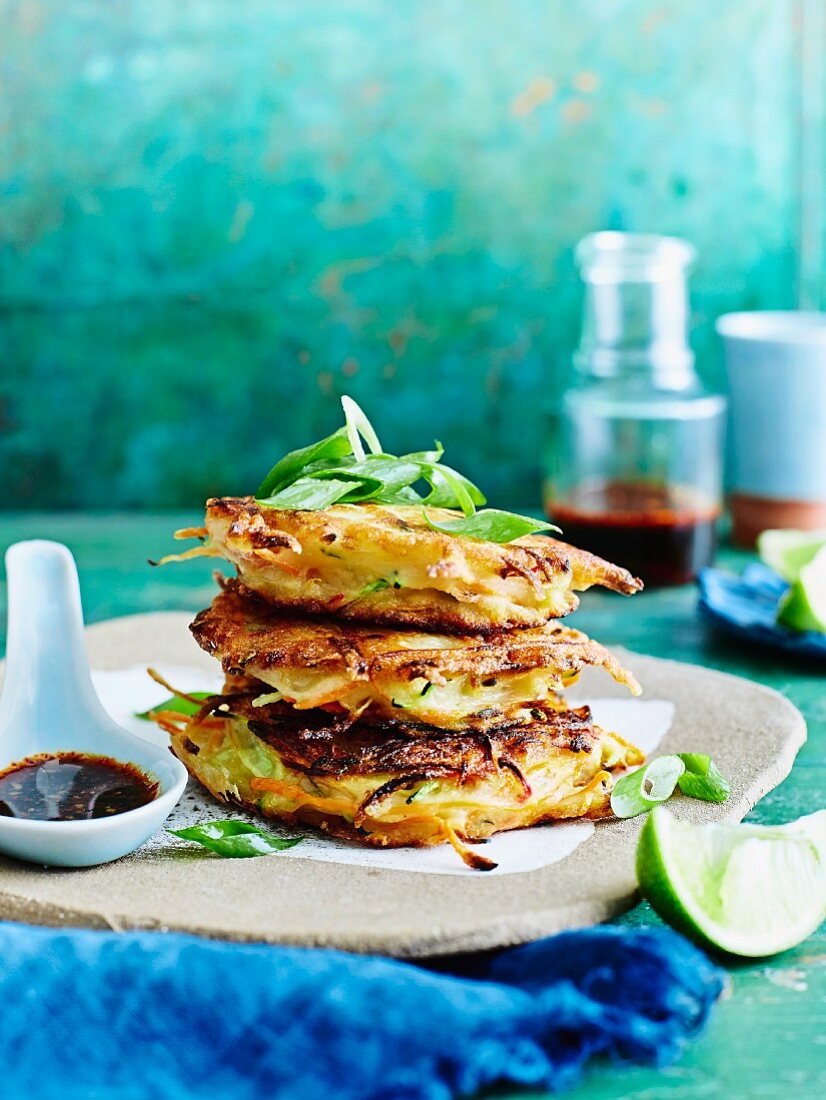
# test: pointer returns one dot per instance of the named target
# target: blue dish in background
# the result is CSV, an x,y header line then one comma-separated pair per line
x,y
746,605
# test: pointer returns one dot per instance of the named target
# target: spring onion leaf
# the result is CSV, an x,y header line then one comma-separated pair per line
x,y
177,704
378,585
702,779
309,494
491,525
420,792
694,773
287,469
448,485
358,425
235,839
337,470
405,495
378,473
427,456
643,789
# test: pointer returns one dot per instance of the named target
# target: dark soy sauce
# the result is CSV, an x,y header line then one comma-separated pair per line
x,y
72,786
651,530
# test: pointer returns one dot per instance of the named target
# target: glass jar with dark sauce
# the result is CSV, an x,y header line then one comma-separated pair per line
x,y
634,471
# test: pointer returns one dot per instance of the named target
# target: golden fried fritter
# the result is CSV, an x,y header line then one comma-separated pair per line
x,y
450,681
379,786
385,564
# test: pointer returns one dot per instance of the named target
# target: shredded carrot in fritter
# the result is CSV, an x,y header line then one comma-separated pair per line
x,y
156,676
196,552
190,533
272,557
472,859
298,794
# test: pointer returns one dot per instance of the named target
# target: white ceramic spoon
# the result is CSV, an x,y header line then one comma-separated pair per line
x,y
48,705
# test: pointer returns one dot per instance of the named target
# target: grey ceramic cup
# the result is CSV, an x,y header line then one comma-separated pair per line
x,y
776,367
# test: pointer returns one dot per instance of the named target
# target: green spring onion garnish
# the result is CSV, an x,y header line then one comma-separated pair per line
x,y
235,839
694,773
338,470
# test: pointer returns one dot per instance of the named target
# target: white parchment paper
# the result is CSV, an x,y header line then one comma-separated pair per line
x,y
126,692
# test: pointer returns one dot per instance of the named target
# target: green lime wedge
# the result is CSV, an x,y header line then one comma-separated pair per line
x,y
786,551
804,605
749,890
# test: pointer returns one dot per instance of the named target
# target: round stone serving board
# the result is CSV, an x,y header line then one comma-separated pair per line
x,y
752,733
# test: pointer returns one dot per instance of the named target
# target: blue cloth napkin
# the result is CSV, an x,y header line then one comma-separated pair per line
x,y
171,1017
746,605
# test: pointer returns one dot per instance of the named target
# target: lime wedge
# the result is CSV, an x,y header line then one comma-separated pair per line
x,y
804,606
750,890
786,551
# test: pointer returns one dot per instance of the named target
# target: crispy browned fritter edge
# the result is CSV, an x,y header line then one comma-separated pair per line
x,y
240,629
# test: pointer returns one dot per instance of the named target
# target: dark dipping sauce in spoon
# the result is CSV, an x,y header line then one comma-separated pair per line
x,y
72,786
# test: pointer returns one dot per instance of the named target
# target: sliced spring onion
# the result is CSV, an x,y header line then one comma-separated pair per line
x,y
702,779
338,470
235,839
491,525
425,789
178,704
694,773
288,468
358,425
641,790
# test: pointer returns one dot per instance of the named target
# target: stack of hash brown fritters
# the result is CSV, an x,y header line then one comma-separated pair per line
x,y
394,685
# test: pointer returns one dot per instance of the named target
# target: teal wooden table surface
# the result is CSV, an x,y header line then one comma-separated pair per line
x,y
767,1038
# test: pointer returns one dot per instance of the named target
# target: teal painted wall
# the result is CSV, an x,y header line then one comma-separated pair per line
x,y
216,216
